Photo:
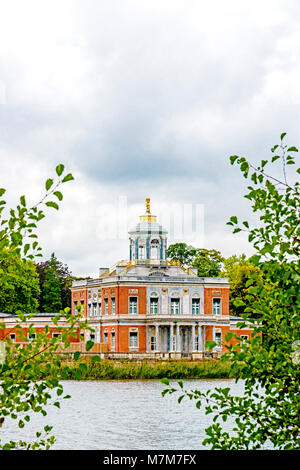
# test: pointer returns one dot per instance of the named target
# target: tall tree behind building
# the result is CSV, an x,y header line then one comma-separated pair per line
x,y
55,282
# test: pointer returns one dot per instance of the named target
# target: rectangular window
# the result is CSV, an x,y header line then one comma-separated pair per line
x,y
133,305
152,343
195,306
133,340
75,306
31,336
216,306
218,340
113,340
12,337
89,310
81,305
154,305
106,306
105,337
113,306
174,306
55,335
92,336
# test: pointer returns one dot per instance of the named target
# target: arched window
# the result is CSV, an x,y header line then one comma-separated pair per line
x,y
153,303
154,249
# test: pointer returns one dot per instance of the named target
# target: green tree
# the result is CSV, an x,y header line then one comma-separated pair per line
x,y
181,252
239,270
30,375
51,289
207,262
63,279
19,284
269,410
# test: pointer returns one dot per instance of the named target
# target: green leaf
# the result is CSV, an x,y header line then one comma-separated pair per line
x,y
292,149
234,219
165,381
275,158
68,177
23,201
76,355
59,195
209,345
89,345
48,184
59,169
282,135
233,158
2,191
52,204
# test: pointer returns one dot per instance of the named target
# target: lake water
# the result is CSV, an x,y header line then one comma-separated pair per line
x,y
125,415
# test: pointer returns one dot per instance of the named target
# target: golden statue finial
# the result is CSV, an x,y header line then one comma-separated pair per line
x,y
148,205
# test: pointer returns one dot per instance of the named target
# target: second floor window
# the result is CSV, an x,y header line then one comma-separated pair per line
x,y
174,306
105,337
105,306
195,306
133,305
113,306
154,305
216,306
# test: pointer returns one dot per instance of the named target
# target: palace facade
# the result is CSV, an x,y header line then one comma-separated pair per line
x,y
148,306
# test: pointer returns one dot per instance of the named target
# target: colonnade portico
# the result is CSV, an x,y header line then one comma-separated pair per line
x,y
177,337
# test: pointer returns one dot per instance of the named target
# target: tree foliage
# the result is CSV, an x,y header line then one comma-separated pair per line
x,y
23,366
19,283
55,282
268,412
64,277
239,270
207,262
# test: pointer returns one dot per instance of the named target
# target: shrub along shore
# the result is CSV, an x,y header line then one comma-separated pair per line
x,y
88,369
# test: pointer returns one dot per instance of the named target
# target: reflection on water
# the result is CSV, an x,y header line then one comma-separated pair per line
x,y
127,414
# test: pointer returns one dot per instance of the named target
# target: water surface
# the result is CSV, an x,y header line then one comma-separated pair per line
x,y
125,415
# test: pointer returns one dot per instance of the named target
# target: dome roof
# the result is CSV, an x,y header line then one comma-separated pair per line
x,y
148,223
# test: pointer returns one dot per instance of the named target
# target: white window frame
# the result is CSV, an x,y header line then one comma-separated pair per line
x,y
113,340
105,305
136,304
174,301
136,345
220,306
13,337
113,305
198,306
152,310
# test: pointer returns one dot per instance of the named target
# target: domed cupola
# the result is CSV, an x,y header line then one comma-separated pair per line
x,y
148,241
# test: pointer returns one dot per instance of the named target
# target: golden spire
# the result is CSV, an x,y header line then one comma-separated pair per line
x,y
148,205
148,217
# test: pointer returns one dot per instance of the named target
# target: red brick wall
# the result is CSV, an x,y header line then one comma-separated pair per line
x,y
79,295
123,302
122,337
210,293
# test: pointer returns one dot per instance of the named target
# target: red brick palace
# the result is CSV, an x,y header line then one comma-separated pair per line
x,y
149,306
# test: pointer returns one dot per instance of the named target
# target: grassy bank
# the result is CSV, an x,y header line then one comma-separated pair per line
x,y
105,369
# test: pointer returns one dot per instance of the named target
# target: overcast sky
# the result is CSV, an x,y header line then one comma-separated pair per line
x,y
143,99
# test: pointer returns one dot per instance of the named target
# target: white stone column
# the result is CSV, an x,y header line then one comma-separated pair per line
x,y
171,336
156,338
200,340
178,345
193,338
204,338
